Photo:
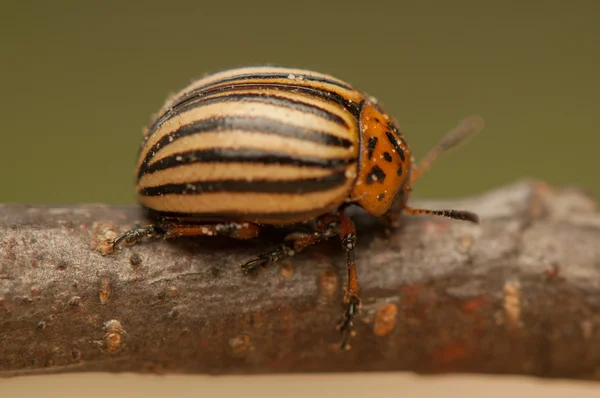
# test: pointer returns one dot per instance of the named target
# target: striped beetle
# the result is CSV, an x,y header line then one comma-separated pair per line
x,y
277,146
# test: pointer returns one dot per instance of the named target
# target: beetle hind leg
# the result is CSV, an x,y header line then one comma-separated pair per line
x,y
234,230
171,230
137,235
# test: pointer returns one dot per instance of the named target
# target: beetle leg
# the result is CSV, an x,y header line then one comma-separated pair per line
x,y
234,230
264,259
170,230
327,227
351,298
137,235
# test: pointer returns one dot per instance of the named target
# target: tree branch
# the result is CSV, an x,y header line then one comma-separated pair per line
x,y
517,294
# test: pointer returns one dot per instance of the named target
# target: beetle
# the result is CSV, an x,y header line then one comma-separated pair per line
x,y
254,146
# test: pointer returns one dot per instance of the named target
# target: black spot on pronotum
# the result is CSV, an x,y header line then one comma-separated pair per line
x,y
387,156
380,197
372,144
395,144
399,172
393,128
376,174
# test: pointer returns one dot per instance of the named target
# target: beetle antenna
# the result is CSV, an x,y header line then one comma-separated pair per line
x,y
454,214
466,129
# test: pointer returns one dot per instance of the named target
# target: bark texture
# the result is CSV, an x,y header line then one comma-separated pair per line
x,y
517,294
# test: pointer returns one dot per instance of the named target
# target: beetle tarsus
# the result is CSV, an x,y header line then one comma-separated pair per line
x,y
252,265
265,259
346,326
136,235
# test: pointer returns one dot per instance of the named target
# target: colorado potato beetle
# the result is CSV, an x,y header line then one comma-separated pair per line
x,y
256,146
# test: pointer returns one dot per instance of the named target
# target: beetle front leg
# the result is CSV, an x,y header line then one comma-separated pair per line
x,y
172,230
351,298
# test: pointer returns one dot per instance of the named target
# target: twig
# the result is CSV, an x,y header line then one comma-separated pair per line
x,y
518,294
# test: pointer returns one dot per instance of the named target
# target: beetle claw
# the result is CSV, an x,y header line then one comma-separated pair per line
x,y
136,235
346,326
252,265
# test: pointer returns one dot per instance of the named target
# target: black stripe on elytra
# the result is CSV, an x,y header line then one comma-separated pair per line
x,y
248,124
242,155
298,186
371,146
394,141
265,98
232,216
376,174
352,107
298,78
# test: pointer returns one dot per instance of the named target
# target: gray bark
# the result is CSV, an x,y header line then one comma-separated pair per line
x,y
517,294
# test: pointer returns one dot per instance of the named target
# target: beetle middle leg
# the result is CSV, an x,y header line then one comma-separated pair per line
x,y
327,227
173,229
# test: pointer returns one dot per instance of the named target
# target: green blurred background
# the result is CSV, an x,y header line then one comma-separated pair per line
x,y
81,78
